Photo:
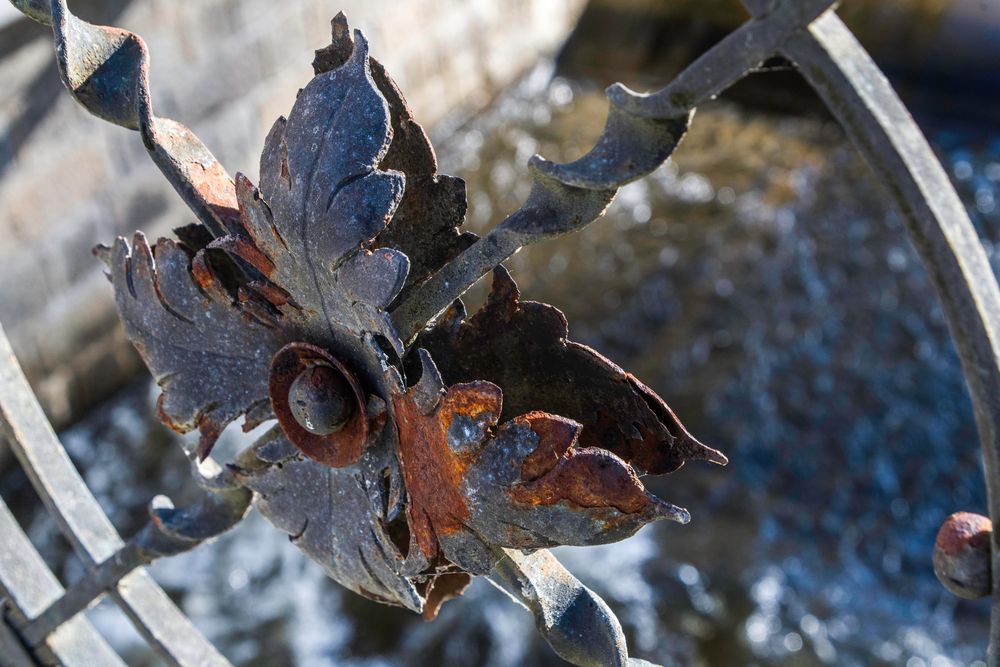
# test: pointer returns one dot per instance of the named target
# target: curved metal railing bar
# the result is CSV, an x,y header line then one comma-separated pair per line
x,y
84,523
30,587
857,92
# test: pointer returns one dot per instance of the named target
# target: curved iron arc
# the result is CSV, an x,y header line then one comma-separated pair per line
x,y
855,90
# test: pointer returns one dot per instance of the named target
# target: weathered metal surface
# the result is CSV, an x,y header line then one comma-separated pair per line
x,y
87,528
641,132
523,346
962,555
351,245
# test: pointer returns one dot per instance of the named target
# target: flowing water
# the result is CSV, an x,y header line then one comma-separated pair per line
x,y
760,283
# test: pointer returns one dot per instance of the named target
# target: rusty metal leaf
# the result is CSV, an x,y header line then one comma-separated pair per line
x,y
474,487
209,357
522,346
426,223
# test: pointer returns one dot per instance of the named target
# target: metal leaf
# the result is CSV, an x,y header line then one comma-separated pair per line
x,y
323,198
522,346
208,356
425,224
330,516
473,487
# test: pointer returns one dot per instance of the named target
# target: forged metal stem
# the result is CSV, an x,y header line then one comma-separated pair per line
x,y
94,60
641,133
576,623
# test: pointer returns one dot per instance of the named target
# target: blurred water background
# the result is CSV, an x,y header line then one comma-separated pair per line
x,y
759,282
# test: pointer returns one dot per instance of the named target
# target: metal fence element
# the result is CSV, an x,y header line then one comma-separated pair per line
x,y
106,71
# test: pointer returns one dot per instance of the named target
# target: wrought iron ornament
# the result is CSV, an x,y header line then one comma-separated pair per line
x,y
406,460
421,444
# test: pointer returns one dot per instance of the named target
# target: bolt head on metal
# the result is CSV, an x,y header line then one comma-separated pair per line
x,y
321,400
962,555
319,404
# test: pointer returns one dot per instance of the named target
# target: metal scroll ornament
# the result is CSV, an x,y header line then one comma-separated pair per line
x,y
409,453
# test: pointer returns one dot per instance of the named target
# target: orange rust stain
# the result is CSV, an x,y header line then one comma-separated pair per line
x,y
432,471
555,436
963,529
442,588
586,477
248,251
215,188
203,275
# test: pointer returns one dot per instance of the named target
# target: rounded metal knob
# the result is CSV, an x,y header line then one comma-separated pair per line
x,y
321,400
962,555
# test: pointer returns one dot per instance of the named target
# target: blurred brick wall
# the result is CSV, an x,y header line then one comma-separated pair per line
x,y
227,69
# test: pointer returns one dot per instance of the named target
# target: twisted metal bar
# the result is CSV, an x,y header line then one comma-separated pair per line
x,y
641,132
107,71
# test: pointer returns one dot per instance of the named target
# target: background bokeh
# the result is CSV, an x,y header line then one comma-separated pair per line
x,y
759,282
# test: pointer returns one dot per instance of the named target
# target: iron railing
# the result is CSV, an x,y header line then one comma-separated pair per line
x,y
41,624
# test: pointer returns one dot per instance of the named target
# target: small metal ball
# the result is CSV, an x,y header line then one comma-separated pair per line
x,y
321,400
962,559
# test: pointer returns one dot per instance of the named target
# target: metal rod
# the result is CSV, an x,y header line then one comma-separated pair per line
x,y
29,587
80,595
84,523
12,651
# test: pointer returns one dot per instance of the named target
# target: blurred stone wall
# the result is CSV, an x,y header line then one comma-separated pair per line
x,y
227,69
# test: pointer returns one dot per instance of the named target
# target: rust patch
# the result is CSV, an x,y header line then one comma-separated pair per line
x,y
247,250
962,555
588,477
432,471
555,436
215,188
962,530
